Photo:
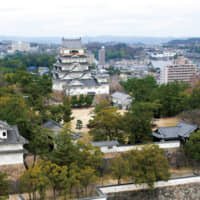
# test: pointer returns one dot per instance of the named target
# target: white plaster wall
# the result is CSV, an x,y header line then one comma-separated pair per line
x,y
116,149
65,51
71,60
58,85
104,89
97,198
133,187
164,75
10,159
8,147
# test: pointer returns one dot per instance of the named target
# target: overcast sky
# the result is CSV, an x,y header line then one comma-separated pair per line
x,y
72,18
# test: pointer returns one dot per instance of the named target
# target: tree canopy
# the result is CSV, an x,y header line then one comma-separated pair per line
x,y
148,165
192,146
107,125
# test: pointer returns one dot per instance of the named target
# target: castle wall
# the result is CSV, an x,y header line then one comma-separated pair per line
x,y
58,85
10,147
178,192
103,89
11,158
124,148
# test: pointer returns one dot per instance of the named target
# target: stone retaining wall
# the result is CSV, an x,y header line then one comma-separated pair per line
x,y
179,192
14,172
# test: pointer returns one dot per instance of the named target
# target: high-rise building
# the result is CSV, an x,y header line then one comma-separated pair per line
x,y
71,71
20,46
102,56
181,70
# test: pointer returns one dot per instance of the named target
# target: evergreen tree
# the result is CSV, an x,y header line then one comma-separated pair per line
x,y
67,111
79,124
148,165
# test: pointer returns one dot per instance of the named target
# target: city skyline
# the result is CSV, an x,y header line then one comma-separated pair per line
x,y
93,18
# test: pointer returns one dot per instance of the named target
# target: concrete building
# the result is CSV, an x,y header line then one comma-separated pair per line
x,y
72,74
163,55
91,58
20,46
102,56
11,145
181,70
43,70
121,100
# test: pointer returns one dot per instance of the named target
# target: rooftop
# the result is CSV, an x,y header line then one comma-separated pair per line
x,y
105,143
13,136
182,129
72,43
122,96
52,125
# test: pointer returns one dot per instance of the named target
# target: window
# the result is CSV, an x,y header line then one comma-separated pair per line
x,y
4,134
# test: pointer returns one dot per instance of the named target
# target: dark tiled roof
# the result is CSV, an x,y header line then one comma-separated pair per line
x,y
105,143
4,124
52,125
186,129
13,136
56,127
182,129
89,82
83,82
76,136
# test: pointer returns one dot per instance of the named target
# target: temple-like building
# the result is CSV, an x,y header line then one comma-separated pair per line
x,y
11,145
72,73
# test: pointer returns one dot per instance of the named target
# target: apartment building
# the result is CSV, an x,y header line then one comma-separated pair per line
x,y
181,70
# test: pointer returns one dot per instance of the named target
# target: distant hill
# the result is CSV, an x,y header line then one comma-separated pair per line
x,y
54,40
102,39
128,39
115,51
189,41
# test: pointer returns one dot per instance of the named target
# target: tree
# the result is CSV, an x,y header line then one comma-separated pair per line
x,y
74,101
34,180
102,105
87,176
88,100
15,111
172,98
90,156
4,185
41,142
141,89
148,165
192,146
137,122
119,167
67,111
56,175
107,125
56,112
66,151
79,124
81,100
